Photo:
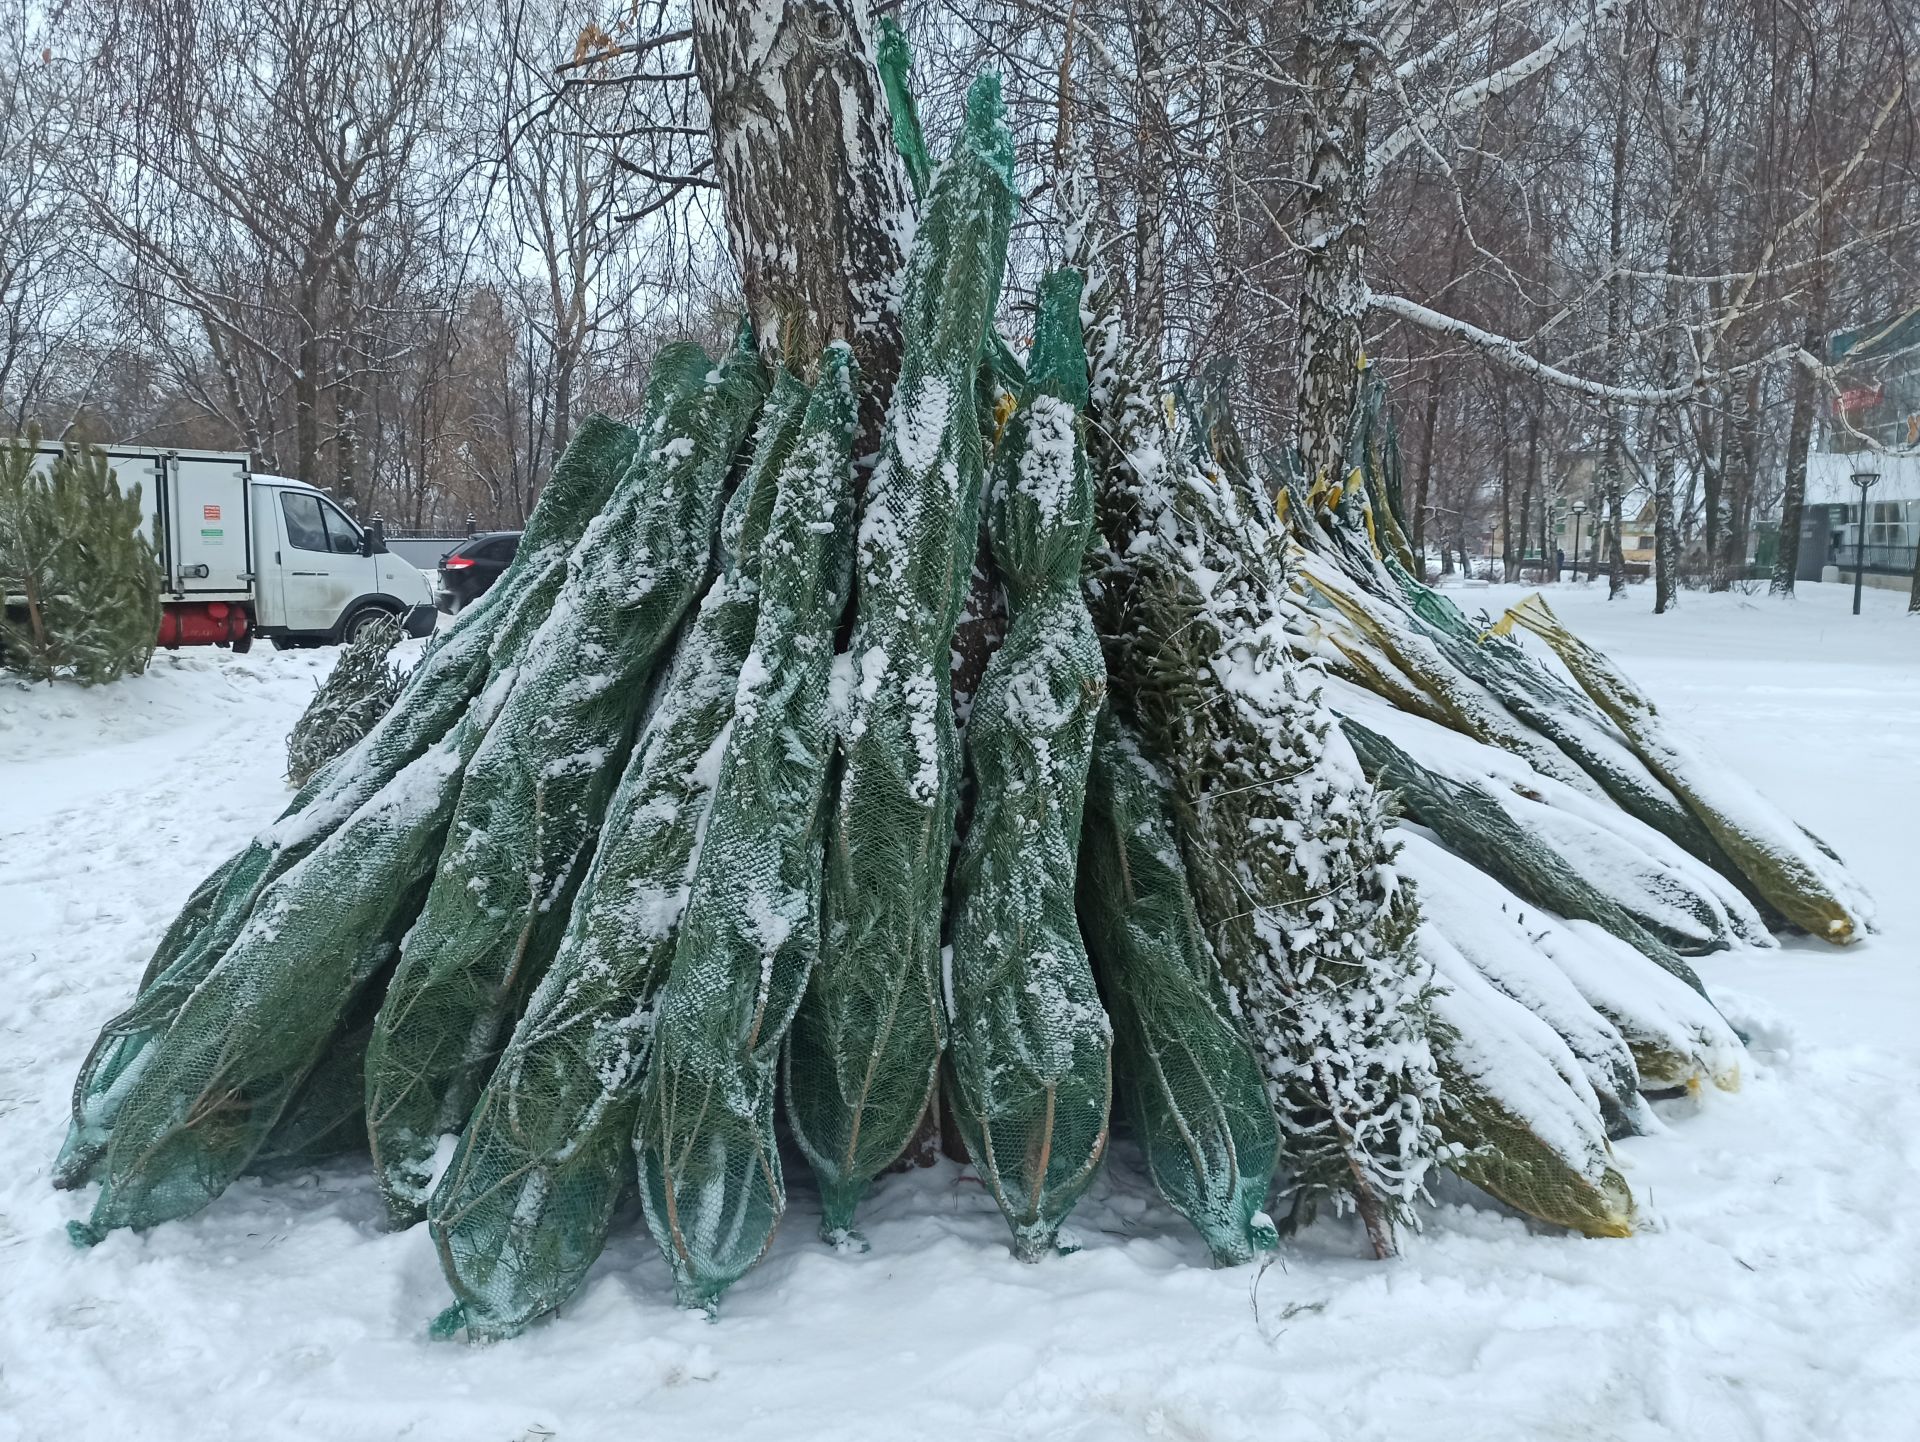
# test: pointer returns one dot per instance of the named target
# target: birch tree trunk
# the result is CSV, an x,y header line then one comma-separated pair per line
x,y
817,205
1615,425
1742,443
1687,133
1150,214
1333,64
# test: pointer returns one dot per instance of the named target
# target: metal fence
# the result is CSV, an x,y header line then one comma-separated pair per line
x,y
1886,560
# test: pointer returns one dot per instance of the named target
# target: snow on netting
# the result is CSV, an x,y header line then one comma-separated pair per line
x,y
446,679
525,1204
1286,846
1469,818
1031,1050
532,795
1185,1074
182,1086
359,690
1792,869
1672,1034
709,1165
867,1042
1523,1121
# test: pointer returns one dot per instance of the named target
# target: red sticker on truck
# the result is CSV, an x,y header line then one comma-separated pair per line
x,y
209,513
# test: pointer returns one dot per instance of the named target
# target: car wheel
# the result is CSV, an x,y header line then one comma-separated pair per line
x,y
355,625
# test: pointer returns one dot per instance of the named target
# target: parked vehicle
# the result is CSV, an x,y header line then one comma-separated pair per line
x,y
472,566
244,555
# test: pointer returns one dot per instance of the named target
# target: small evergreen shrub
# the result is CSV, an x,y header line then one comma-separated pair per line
x,y
81,583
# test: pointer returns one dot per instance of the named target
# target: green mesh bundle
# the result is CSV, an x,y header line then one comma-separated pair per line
x,y
1185,1074
523,1208
1522,1123
895,58
1564,715
709,1167
1285,842
866,1045
1796,874
532,797
1467,706
431,712
327,1116
1491,930
360,689
1031,1050
207,1094
1672,1036
1470,820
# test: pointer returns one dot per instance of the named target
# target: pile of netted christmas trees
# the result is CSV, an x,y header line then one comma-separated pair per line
x,y
656,867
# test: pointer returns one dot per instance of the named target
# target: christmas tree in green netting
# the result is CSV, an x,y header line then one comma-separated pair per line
x,y
360,689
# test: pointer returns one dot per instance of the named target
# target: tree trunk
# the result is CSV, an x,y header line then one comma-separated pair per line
x,y
1423,483
1712,479
1506,496
816,196
1528,489
1742,448
306,378
1150,213
1666,541
1616,554
1334,66
1687,132
1793,499
1814,340
349,386
1610,456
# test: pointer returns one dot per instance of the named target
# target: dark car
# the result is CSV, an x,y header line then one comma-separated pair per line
x,y
475,564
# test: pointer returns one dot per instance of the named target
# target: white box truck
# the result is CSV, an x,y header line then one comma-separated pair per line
x,y
245,555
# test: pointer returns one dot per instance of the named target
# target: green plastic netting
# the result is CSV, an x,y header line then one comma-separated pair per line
x,y
207,1096
359,690
1795,872
1520,1129
1564,715
1185,1074
895,59
1031,1050
524,1206
229,1038
709,1167
436,697
867,1042
532,795
1472,822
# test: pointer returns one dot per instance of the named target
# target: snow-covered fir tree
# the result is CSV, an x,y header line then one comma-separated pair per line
x,y
1284,839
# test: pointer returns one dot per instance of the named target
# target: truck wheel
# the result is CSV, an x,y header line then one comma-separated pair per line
x,y
360,620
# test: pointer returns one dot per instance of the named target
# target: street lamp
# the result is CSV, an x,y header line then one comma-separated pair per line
x,y
1866,481
1579,510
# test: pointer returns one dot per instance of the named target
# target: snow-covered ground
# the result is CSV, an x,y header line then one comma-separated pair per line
x,y
1774,1292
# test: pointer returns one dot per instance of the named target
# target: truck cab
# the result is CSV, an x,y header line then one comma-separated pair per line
x,y
319,576
244,555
